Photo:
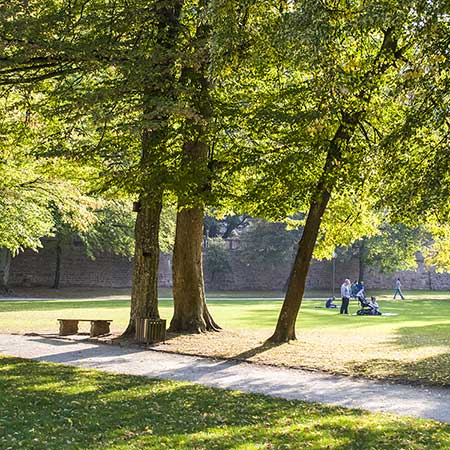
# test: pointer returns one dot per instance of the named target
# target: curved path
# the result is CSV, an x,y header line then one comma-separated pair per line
x,y
425,402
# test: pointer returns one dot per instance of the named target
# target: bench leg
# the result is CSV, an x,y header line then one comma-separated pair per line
x,y
67,327
99,327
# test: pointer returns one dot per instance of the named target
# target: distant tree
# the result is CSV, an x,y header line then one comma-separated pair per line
x,y
105,227
267,244
5,264
217,258
393,248
225,226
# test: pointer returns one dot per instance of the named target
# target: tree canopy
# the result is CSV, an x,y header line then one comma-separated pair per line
x,y
334,113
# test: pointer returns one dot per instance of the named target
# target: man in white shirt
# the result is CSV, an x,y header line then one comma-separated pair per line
x,y
398,289
345,294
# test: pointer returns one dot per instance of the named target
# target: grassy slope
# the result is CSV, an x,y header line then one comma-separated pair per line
x,y
47,406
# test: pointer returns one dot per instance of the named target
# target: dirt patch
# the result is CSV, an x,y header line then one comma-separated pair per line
x,y
365,356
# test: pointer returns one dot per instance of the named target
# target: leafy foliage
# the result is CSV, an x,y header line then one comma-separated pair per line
x,y
217,257
267,244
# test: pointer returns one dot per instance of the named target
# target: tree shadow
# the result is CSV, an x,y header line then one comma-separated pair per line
x,y
432,370
423,336
264,347
62,407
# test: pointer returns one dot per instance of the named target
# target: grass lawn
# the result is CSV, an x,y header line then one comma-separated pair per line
x,y
47,406
412,345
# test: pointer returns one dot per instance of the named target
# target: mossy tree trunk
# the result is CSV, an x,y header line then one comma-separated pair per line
x,y
144,294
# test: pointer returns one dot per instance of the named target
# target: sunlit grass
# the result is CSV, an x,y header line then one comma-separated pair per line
x,y
413,344
53,407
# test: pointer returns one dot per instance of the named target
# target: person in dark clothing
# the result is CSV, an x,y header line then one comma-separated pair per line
x,y
354,289
329,303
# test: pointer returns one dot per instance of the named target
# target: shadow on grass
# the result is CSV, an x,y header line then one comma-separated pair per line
x,y
434,370
429,370
58,407
423,336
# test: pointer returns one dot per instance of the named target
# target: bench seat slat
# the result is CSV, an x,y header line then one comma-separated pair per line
x,y
87,320
70,326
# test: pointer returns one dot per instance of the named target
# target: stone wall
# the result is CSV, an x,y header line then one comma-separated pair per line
x,y
38,269
30,268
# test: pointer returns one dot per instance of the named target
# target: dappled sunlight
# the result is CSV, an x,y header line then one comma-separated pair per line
x,y
114,412
326,340
425,369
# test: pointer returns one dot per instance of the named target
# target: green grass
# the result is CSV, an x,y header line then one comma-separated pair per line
x,y
52,407
417,311
413,345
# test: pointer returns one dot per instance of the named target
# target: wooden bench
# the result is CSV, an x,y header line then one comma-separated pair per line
x,y
70,326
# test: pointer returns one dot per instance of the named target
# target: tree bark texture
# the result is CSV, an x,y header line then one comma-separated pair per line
x,y
362,260
144,293
58,250
191,314
5,265
285,328
190,311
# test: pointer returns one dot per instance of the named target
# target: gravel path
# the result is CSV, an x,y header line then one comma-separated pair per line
x,y
426,402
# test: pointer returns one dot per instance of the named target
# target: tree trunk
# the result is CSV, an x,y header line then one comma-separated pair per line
x,y
56,282
144,294
285,328
361,260
5,265
191,314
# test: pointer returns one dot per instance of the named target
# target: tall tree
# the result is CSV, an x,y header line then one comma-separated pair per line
x,y
373,42
326,91
190,310
107,71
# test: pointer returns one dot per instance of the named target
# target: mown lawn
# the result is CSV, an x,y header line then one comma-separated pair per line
x,y
47,406
413,344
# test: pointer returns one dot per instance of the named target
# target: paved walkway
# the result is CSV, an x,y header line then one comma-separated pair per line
x,y
431,403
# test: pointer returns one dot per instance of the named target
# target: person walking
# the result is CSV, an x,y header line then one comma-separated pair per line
x,y
345,294
398,289
354,289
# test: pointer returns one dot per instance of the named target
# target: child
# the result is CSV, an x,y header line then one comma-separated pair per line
x,y
329,303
